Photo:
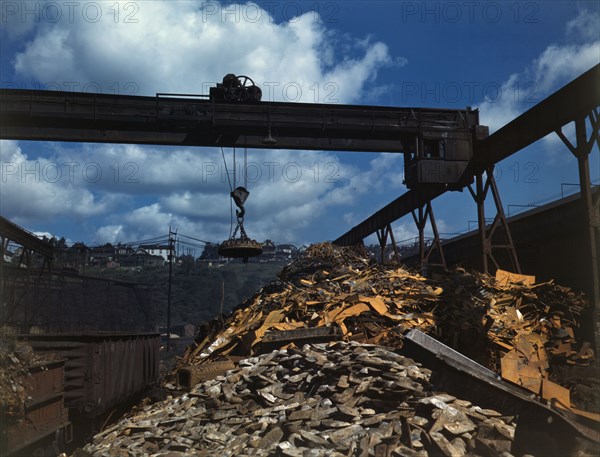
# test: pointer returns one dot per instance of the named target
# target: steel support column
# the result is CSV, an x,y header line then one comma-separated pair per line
x,y
499,222
591,206
425,213
382,236
579,96
393,240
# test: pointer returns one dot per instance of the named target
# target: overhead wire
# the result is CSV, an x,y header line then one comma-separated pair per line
x,y
194,245
156,240
196,239
149,240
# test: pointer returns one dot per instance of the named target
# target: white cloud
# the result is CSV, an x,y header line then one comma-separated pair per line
x,y
134,192
41,235
557,65
560,64
41,188
110,234
290,191
13,23
147,222
501,110
385,173
49,58
405,232
184,47
135,169
584,26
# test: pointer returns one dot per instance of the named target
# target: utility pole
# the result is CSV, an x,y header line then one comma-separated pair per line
x,y
171,246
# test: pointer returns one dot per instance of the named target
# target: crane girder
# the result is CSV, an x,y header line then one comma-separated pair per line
x,y
188,121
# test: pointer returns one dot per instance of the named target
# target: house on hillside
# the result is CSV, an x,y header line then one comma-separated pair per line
x,y
77,256
286,252
102,256
157,249
141,258
79,248
123,250
269,250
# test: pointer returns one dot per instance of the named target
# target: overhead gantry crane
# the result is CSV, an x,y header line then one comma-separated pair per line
x,y
444,149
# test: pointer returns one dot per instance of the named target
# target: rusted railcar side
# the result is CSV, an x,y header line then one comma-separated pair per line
x,y
43,412
102,370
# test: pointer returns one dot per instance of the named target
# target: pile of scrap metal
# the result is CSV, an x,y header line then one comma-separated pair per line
x,y
336,399
12,393
508,323
16,362
344,357
347,399
32,411
524,332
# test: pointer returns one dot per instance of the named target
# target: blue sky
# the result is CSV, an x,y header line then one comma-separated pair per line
x,y
499,56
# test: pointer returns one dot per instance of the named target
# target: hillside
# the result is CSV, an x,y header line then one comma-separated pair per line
x,y
197,290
